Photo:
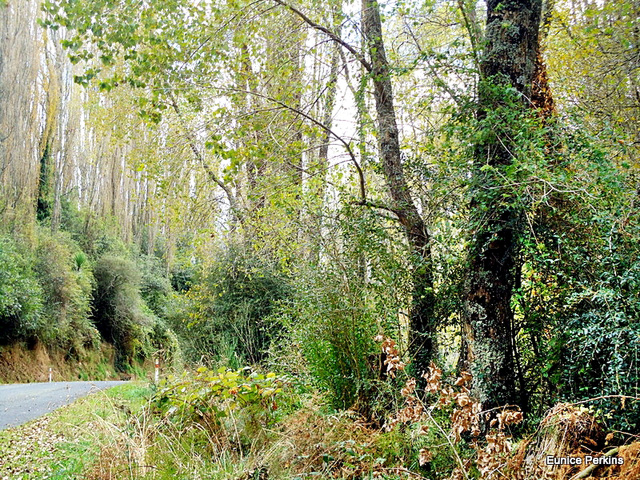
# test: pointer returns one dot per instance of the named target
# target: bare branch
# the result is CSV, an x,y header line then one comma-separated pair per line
x,y
354,160
328,32
381,206
590,469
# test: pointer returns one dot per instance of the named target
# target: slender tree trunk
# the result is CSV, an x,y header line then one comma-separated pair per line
x,y
421,318
511,52
327,119
254,167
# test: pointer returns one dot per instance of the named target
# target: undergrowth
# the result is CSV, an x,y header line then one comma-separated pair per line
x,y
251,425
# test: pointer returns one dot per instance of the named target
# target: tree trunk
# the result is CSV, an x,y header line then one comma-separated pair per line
x,y
327,119
421,319
511,51
422,335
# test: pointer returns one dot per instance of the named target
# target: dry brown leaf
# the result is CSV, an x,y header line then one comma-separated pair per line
x,y
425,456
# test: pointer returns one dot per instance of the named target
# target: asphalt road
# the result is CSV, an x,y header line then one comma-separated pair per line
x,y
21,402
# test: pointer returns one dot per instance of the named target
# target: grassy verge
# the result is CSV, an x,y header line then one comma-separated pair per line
x,y
234,425
67,443
112,435
214,425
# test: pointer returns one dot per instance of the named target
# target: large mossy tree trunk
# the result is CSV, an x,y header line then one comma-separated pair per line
x,y
509,63
422,331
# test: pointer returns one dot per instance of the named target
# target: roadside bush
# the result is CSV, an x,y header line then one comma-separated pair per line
x,y
232,406
66,281
232,304
21,297
334,328
339,306
118,309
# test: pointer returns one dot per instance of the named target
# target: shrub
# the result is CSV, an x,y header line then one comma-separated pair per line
x,y
232,306
334,328
340,304
96,235
21,297
118,309
232,405
578,302
66,281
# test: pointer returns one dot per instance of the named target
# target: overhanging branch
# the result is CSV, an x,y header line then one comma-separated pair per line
x,y
354,160
328,32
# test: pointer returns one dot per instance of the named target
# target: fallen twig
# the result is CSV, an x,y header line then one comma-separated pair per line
x,y
589,470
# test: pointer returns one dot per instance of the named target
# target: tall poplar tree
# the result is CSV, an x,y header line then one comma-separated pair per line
x,y
422,333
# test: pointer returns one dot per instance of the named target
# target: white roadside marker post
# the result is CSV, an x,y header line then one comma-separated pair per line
x,y
50,374
157,375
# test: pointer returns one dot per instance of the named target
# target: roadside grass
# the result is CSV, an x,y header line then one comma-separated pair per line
x,y
66,444
118,435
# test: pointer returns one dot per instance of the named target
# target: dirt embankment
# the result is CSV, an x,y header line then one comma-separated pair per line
x,y
21,364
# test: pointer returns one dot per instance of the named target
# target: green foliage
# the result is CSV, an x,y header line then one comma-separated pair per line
x,y
599,358
118,310
71,218
21,296
121,313
334,329
232,306
79,260
44,203
46,293
155,287
152,41
215,399
576,306
595,351
338,307
95,235
593,46
182,278
66,282
166,343
513,163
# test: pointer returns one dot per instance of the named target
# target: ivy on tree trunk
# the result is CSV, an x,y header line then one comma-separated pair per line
x,y
507,72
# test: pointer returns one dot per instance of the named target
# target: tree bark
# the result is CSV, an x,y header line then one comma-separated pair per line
x,y
510,56
422,335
